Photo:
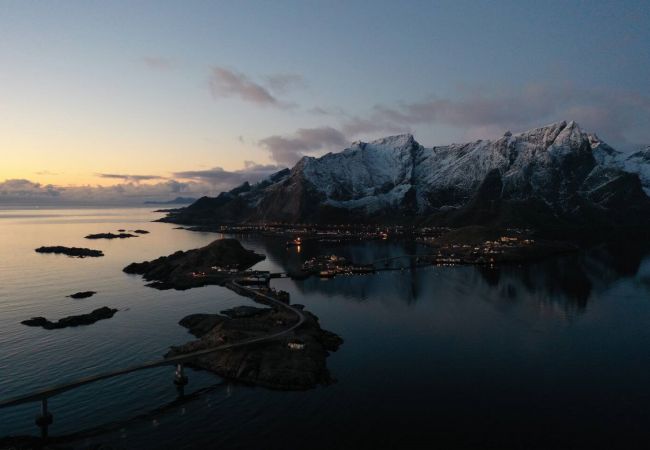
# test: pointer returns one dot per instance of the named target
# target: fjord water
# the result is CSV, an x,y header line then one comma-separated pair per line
x,y
550,354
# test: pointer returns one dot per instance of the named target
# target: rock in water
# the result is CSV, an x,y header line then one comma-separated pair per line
x,y
75,252
72,321
84,294
110,236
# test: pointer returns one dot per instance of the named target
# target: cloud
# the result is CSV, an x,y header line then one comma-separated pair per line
x,y
287,150
357,126
220,179
225,83
285,82
21,188
133,191
129,178
27,192
158,62
330,111
613,114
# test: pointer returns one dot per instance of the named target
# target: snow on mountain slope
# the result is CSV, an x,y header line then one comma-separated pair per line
x,y
366,175
556,168
540,160
549,161
639,163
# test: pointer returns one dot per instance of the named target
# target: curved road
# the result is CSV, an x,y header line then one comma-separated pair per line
x,y
46,393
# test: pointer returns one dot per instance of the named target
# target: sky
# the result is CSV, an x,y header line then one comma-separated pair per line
x,y
124,101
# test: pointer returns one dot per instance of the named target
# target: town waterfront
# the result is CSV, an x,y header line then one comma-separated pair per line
x,y
544,354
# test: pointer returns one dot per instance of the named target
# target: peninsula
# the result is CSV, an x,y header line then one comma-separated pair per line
x,y
216,263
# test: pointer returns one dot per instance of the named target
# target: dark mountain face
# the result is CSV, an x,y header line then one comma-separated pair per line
x,y
554,176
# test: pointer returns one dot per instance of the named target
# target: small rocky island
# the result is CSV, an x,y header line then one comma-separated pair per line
x,y
110,236
72,321
75,252
141,231
216,263
83,294
291,363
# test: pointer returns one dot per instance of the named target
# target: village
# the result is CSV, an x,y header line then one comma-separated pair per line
x,y
297,234
328,266
505,248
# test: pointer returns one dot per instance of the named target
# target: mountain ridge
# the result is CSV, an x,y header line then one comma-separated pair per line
x,y
556,175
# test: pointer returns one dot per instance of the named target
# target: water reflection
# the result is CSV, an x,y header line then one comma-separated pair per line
x,y
564,284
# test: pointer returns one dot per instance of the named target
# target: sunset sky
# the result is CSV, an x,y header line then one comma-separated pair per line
x,y
158,99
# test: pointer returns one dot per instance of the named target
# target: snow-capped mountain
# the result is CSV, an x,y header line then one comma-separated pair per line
x,y
639,163
553,175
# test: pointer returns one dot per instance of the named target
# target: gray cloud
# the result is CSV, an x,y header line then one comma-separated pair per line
x,y
226,83
191,183
329,111
26,192
129,178
220,179
616,115
22,188
287,150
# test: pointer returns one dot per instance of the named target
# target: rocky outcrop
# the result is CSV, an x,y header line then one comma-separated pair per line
x,y
83,294
75,252
296,362
199,267
110,236
72,321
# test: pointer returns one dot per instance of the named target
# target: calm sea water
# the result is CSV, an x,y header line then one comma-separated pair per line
x,y
547,355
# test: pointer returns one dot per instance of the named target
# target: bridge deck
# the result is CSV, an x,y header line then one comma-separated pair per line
x,y
51,391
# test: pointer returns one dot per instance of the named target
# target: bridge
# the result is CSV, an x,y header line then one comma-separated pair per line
x,y
45,419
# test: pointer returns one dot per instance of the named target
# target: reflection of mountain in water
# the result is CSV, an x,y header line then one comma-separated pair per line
x,y
563,285
570,281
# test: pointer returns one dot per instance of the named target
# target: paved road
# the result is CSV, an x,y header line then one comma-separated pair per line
x,y
58,389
